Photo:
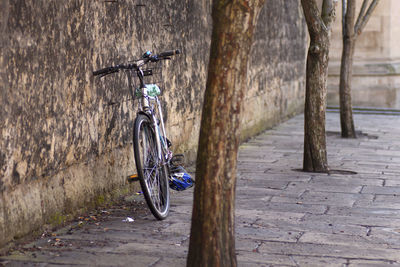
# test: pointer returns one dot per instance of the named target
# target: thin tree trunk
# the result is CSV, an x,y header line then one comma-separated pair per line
x,y
315,156
350,32
346,71
212,239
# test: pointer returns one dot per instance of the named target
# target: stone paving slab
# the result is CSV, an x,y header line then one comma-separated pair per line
x,y
284,217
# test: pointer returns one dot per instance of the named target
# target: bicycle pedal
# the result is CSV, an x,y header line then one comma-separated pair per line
x,y
132,178
178,159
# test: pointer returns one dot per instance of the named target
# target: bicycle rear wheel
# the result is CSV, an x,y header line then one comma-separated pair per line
x,y
152,173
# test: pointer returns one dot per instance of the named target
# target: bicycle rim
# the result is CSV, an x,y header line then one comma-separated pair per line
x,y
152,174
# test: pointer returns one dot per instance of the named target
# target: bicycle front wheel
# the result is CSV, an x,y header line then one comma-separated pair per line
x,y
152,172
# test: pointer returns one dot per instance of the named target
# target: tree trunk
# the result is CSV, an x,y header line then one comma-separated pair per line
x,y
350,32
315,156
346,71
212,239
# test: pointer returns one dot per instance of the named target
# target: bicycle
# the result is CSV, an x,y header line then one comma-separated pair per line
x,y
151,146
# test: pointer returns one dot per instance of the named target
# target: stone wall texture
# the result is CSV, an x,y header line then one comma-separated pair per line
x,y
66,136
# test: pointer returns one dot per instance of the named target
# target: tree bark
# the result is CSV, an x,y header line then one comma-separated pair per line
x,y
212,239
350,32
315,156
346,70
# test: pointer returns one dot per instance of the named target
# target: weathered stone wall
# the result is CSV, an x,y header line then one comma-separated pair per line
x,y
65,135
276,77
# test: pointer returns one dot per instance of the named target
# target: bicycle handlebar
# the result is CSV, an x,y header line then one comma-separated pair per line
x,y
147,57
169,53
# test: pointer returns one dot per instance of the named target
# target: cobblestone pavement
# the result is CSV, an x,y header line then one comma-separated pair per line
x,y
284,217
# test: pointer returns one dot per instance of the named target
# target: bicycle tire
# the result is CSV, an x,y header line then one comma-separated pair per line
x,y
153,175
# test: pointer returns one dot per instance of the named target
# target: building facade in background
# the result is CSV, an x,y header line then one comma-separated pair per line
x,y
376,69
